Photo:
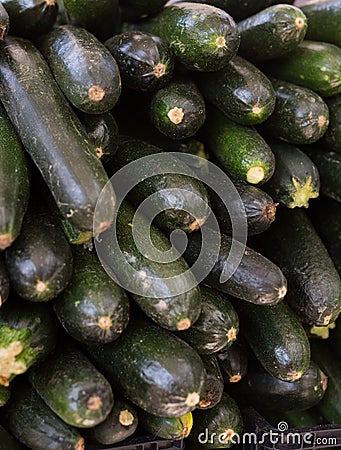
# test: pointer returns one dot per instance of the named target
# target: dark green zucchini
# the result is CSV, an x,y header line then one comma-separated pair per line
x,y
48,129
219,426
4,282
324,21
4,397
71,386
166,427
39,262
178,110
4,22
313,283
28,335
217,326
32,422
332,137
93,308
241,91
214,383
240,150
202,37
31,18
7,441
137,363
145,61
234,361
314,65
300,115
83,67
118,426
272,32
296,179
14,188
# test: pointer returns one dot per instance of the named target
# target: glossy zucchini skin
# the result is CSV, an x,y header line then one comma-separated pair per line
x,y
4,282
14,189
4,22
240,150
136,362
39,262
78,177
303,66
145,62
240,90
202,37
214,383
93,308
332,137
296,179
167,427
234,361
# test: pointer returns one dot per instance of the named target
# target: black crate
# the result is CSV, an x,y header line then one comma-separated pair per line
x,y
141,443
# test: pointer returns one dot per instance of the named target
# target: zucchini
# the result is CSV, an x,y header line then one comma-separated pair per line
x,y
48,129
201,37
240,150
219,426
234,361
240,90
295,419
14,192
4,282
136,365
84,69
313,283
217,327
167,427
7,441
296,179
145,61
4,22
300,115
28,334
71,386
314,65
93,308
4,397
40,261
178,110
272,32
214,383
32,422
118,426
332,137
324,21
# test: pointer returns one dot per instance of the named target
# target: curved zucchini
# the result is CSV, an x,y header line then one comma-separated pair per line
x,y
332,137
234,361
214,383
167,427
7,441
93,308
48,129
4,282
145,61
4,22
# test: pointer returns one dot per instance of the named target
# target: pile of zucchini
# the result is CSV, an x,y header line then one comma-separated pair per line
x,y
87,87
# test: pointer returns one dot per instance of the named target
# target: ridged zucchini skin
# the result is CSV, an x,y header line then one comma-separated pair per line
x,y
136,362
166,427
77,178
296,179
214,383
332,137
234,361
202,37
93,308
303,66
314,288
145,62
32,422
14,189
240,90
4,22
277,338
7,441
4,282
39,262
240,150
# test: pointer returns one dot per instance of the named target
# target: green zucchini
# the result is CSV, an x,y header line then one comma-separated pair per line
x,y
314,289
240,150
136,364
234,361
32,422
83,67
4,397
145,61
7,441
219,426
93,308
300,115
214,383
48,129
272,32
178,110
332,137
324,21
14,189
4,282
296,179
40,261
28,334
314,65
241,91
4,22
201,37
118,426
217,327
167,427
71,386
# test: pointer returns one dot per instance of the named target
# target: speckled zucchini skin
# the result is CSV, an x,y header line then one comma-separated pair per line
x,y
214,383
332,137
